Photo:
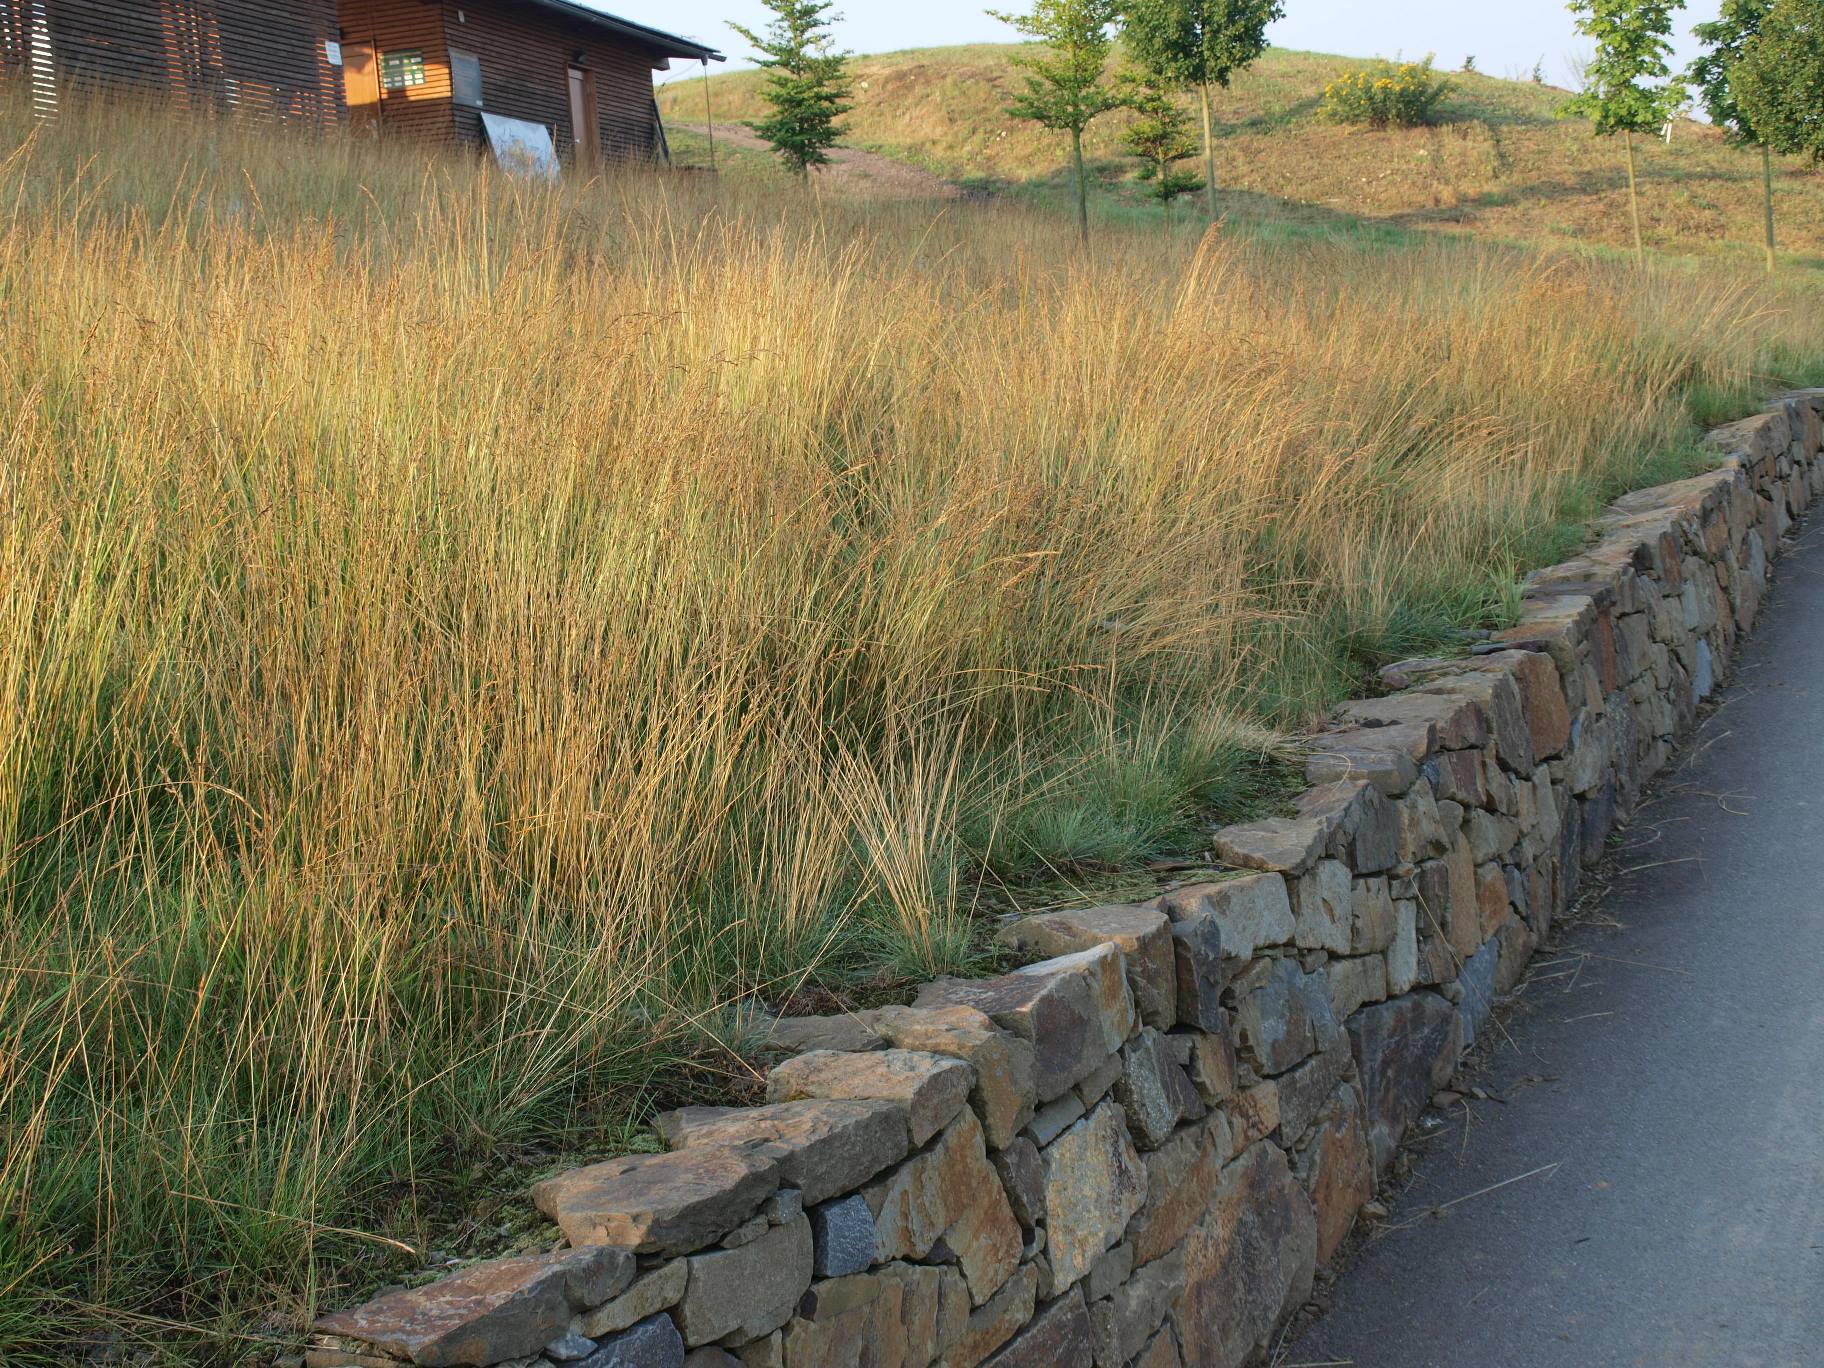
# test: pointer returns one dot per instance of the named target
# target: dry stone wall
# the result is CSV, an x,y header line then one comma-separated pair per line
x,y
1136,1152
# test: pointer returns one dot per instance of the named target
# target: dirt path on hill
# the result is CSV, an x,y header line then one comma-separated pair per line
x,y
1646,1183
851,171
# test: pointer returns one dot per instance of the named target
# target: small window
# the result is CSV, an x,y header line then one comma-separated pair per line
x,y
400,70
465,78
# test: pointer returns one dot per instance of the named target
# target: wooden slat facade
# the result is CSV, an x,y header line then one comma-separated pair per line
x,y
231,56
526,56
537,61
421,112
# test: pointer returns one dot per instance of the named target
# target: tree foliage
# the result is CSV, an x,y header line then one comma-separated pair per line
x,y
1779,79
1713,73
1198,42
1628,90
1066,82
807,84
1065,85
1160,136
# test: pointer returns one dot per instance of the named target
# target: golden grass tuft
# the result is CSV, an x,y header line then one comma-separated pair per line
x,y
456,638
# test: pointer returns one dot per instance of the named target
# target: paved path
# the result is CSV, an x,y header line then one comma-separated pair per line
x,y
1670,1064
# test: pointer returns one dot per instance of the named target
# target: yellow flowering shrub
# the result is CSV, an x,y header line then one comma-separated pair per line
x,y
1386,95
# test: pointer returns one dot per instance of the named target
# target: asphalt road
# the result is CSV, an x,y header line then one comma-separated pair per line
x,y
1668,1064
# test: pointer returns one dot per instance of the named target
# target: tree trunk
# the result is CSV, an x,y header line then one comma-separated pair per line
x,y
1076,157
1640,249
709,115
1209,154
1767,188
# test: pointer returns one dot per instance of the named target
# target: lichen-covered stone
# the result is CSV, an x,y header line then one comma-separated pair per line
x,y
1023,1178
1253,1115
996,1321
749,1291
1142,934
1304,1091
1449,903
1404,1050
1094,1183
1120,1327
1356,981
1253,911
1155,1093
1181,1178
1337,1170
1548,718
822,1146
1248,1263
488,1312
1282,1016
1281,845
1075,1011
900,1316
1213,1064
1363,824
1322,906
1004,1092
660,1203
1372,921
949,1193
931,1088
1058,1334
1387,757
845,1031
656,1290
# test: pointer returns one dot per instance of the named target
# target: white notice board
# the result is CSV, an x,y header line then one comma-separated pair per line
x,y
521,146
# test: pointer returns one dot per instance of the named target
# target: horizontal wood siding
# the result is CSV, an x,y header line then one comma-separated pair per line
x,y
418,112
526,54
231,56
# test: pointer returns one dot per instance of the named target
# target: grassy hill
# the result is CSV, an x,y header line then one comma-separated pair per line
x,y
1500,163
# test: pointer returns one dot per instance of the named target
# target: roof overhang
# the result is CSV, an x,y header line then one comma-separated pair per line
x,y
663,43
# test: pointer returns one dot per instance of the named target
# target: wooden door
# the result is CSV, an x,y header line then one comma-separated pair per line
x,y
585,130
361,84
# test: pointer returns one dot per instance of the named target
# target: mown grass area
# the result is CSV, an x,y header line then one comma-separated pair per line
x,y
462,642
1498,164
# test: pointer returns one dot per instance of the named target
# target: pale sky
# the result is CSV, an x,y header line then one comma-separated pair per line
x,y
1506,36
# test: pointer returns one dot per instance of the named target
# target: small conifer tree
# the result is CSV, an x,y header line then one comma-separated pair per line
x,y
1160,136
1066,84
807,83
1627,90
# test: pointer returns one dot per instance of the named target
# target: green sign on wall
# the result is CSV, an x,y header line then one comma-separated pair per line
x,y
401,69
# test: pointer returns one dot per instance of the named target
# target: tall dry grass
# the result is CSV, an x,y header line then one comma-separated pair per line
x,y
455,638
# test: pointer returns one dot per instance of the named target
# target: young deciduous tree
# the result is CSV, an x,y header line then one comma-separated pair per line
x,y
807,83
1627,91
1713,73
1066,86
1160,136
1779,81
1200,43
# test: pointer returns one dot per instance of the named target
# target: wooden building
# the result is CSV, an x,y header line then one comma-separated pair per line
x,y
427,69
433,68
228,56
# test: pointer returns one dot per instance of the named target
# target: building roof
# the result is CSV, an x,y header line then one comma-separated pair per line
x,y
667,43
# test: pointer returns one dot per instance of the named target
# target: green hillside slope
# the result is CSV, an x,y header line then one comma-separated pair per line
x,y
1500,163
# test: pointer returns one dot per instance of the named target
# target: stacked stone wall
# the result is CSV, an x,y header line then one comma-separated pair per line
x,y
1136,1151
